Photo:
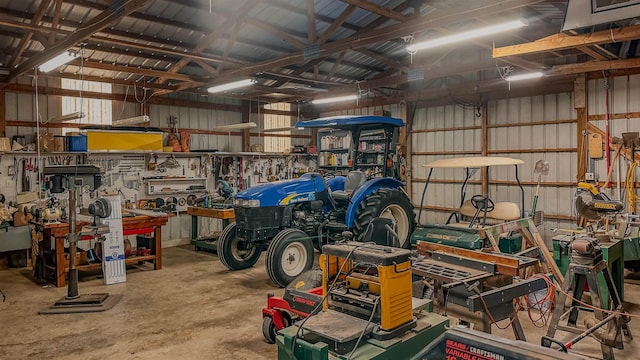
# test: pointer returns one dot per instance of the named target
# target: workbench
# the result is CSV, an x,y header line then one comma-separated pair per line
x,y
226,215
54,236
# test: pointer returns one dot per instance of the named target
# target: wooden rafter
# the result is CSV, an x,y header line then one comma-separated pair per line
x,y
239,15
563,41
208,68
595,66
386,33
377,9
334,68
298,44
336,24
302,11
26,38
383,59
311,30
133,69
230,42
99,22
56,19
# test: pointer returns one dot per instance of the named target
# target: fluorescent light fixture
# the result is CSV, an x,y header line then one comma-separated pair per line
x,y
69,117
61,59
131,121
334,99
231,85
239,126
467,35
527,76
287,128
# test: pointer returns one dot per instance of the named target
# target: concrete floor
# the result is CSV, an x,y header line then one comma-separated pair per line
x,y
192,309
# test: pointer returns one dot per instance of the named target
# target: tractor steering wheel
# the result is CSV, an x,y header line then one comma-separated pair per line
x,y
328,174
482,203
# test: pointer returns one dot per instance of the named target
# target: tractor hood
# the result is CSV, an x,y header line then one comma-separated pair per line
x,y
284,192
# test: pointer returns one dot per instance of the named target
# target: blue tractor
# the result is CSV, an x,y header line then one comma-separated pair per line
x,y
357,195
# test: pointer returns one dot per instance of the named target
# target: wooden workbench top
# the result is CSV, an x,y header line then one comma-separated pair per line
x,y
211,213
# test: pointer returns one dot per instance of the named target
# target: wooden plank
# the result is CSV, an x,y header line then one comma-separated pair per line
x,y
532,151
580,104
506,265
596,150
211,213
563,41
531,232
595,66
461,128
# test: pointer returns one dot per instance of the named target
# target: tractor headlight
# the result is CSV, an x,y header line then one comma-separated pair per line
x,y
246,203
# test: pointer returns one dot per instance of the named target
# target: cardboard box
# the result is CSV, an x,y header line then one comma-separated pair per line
x,y
26,197
46,142
5,144
382,113
20,219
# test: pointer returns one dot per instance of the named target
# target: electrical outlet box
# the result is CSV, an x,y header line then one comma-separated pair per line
x,y
589,177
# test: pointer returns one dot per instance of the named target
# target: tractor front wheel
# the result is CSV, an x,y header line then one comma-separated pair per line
x,y
390,204
235,253
289,254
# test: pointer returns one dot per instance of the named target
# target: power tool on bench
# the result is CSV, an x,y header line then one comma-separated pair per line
x,y
593,205
368,308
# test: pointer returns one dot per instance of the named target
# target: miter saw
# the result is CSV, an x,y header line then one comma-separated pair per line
x,y
593,205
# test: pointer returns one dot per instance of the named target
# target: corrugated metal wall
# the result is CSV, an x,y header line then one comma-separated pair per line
x,y
431,142
529,142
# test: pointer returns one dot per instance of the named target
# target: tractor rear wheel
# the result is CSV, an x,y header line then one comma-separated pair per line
x,y
235,253
289,254
390,204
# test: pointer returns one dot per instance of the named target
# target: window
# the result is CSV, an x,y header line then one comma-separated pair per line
x,y
282,140
97,111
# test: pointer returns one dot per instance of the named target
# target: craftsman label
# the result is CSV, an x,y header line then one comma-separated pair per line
x,y
459,351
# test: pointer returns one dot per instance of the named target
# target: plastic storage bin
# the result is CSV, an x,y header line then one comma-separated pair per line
x,y
78,143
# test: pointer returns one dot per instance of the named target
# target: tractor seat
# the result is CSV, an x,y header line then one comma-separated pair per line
x,y
354,180
503,211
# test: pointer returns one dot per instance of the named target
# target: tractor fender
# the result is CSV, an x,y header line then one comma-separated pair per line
x,y
365,190
336,183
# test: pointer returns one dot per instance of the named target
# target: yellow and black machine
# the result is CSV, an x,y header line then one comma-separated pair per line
x,y
374,282
368,310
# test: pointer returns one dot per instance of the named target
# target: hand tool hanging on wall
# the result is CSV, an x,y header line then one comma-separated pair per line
x,y
26,183
541,168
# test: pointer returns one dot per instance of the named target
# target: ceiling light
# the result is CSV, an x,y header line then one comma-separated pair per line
x,y
467,35
59,60
334,99
286,128
231,85
131,121
527,76
68,117
239,126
